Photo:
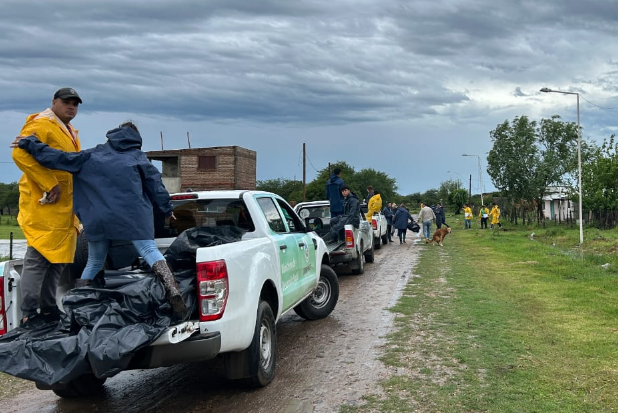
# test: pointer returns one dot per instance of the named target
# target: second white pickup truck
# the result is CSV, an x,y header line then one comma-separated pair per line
x,y
243,288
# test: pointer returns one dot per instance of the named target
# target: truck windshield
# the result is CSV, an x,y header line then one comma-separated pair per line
x,y
192,213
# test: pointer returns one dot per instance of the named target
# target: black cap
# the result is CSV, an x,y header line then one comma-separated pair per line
x,y
67,93
344,187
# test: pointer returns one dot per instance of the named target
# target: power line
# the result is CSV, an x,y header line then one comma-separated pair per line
x,y
593,104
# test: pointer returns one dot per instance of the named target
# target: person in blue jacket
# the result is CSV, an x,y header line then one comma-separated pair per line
x,y
333,193
400,221
114,189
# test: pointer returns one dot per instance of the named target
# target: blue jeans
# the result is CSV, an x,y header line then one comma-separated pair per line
x,y
468,223
427,229
97,252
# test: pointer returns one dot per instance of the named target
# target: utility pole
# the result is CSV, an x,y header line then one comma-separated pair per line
x,y
161,140
470,191
188,140
304,173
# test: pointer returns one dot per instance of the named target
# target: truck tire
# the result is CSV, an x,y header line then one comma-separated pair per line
x,y
376,243
262,353
324,298
369,255
358,266
83,386
385,239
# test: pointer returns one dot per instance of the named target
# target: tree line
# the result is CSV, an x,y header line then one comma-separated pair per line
x,y
9,198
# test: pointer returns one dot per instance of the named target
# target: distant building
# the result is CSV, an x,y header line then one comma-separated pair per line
x,y
200,169
557,205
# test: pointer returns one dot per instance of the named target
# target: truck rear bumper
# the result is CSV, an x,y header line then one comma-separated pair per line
x,y
198,348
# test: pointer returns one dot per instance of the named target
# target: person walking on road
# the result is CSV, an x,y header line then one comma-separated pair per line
x,y
440,216
46,210
495,215
116,187
390,215
467,216
484,215
333,193
402,216
426,216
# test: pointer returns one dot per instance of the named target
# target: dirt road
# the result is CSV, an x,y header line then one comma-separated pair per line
x,y
320,364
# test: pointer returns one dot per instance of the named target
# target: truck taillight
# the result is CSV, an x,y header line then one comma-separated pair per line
x,y
2,310
212,289
349,239
374,223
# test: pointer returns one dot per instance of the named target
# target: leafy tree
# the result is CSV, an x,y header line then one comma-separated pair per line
x,y
288,189
527,157
599,182
9,197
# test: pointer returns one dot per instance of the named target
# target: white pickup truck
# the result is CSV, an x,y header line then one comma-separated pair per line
x,y
357,247
242,288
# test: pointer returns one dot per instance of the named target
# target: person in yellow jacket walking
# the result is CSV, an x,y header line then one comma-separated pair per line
x,y
374,205
495,216
484,214
46,210
467,216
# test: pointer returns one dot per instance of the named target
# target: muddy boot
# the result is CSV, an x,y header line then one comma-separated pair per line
x,y
166,276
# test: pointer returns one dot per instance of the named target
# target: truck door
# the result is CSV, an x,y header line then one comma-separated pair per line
x,y
296,250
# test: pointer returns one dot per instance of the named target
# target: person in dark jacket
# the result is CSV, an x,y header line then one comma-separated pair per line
x,y
402,216
440,216
333,193
114,189
351,215
388,212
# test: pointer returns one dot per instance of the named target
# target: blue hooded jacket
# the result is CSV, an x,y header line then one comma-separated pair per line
x,y
114,185
333,193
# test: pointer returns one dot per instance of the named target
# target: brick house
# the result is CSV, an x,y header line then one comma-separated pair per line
x,y
199,169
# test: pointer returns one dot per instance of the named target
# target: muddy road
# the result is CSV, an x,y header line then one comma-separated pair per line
x,y
320,366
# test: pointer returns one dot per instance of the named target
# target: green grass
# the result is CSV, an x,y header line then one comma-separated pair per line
x,y
9,224
498,322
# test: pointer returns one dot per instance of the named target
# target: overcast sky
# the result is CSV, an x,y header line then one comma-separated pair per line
x,y
404,87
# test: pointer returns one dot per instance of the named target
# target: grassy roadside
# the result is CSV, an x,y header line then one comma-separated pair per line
x,y
500,322
9,224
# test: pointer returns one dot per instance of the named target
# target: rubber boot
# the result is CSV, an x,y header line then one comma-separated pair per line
x,y
166,276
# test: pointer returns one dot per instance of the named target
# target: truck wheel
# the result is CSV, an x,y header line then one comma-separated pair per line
x,y
81,257
83,386
358,267
385,239
369,255
262,352
376,243
324,298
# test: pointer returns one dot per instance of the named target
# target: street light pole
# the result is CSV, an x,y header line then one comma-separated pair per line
x,y
480,179
579,160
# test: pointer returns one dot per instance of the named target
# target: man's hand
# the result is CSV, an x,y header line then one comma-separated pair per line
x,y
15,143
54,194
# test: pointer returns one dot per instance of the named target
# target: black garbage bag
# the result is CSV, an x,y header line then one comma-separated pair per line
x,y
413,226
99,333
181,253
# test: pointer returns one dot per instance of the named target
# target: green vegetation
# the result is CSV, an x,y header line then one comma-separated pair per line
x,y
499,321
9,224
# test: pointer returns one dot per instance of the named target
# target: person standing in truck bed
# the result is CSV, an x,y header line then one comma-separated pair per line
x,y
115,188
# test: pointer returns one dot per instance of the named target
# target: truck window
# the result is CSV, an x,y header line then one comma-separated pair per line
x,y
271,213
291,218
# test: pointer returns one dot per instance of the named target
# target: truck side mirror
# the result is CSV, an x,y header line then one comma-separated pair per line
x,y
314,223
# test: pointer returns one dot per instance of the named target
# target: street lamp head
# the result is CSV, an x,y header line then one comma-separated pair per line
x,y
546,90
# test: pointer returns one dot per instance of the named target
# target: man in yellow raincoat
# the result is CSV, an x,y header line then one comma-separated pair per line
x,y
495,215
46,210
374,205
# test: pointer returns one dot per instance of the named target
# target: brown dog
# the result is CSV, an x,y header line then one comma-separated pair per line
x,y
439,236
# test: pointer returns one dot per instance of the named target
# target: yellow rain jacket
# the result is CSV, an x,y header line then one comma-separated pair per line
x,y
49,228
374,205
495,215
